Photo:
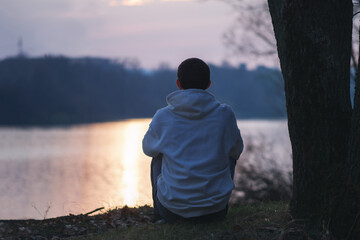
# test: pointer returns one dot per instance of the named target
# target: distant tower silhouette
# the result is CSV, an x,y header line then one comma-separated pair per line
x,y
21,52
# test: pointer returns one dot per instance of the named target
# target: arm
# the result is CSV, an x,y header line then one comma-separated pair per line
x,y
151,143
238,146
237,142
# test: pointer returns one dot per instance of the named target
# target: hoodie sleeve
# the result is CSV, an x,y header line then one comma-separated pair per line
x,y
238,145
151,143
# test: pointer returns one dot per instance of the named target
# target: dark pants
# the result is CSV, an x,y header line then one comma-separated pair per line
x,y
161,212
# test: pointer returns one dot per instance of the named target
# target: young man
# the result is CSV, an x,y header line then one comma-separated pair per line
x,y
194,143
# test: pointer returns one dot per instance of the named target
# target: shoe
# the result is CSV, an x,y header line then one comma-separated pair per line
x,y
156,217
160,221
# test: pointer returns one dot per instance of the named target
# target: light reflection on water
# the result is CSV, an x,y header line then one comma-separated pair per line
x,y
72,170
78,169
130,153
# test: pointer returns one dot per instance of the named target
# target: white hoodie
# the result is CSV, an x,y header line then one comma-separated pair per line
x,y
197,137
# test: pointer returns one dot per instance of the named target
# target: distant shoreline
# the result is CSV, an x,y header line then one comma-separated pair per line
x,y
63,91
75,124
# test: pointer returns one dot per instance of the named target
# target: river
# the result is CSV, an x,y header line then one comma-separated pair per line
x,y
50,172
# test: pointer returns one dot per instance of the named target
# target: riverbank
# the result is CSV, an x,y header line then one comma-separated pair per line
x,y
262,221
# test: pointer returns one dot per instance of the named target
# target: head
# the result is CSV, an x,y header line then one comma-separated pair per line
x,y
193,73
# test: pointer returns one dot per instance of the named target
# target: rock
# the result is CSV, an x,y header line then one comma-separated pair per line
x,y
39,238
82,230
22,229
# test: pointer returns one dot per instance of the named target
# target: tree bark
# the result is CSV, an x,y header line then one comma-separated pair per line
x,y
314,48
350,216
346,217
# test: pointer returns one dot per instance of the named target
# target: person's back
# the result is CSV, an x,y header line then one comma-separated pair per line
x,y
195,143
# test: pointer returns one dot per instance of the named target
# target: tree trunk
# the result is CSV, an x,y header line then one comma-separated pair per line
x,y
351,213
314,47
346,217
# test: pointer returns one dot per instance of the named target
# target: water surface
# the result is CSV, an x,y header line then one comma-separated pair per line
x,y
49,172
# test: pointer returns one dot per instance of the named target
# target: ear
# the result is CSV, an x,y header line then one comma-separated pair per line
x,y
209,84
178,84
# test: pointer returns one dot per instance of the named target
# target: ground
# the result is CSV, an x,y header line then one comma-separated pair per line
x,y
244,221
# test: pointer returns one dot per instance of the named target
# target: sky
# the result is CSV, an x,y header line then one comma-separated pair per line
x,y
152,31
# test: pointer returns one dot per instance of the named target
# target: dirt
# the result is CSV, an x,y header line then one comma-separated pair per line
x,y
74,225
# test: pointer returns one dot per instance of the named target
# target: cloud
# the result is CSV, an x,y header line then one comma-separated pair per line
x,y
134,2
113,3
116,3
177,0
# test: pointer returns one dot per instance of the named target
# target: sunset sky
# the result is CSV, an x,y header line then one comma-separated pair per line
x,y
152,31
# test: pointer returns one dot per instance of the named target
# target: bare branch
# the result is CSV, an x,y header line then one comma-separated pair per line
x,y
252,33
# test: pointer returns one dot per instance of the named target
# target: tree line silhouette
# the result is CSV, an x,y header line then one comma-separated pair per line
x,y
60,90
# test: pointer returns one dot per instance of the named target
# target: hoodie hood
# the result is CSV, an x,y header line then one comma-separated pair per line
x,y
192,103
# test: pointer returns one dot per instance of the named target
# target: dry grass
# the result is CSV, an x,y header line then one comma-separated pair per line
x,y
250,221
260,221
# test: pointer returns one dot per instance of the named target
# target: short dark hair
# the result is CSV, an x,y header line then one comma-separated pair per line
x,y
194,73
